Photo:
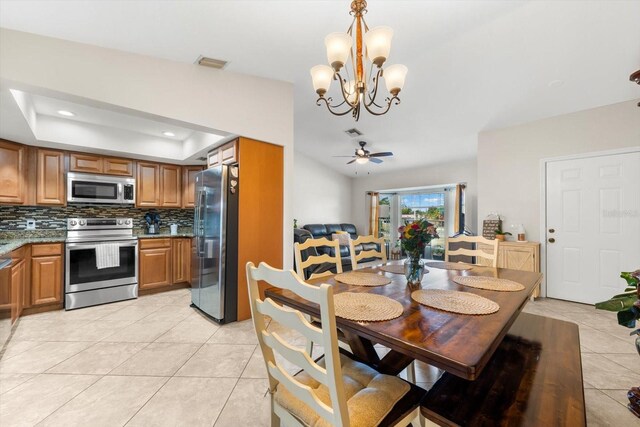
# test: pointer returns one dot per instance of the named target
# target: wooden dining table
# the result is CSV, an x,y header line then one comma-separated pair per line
x,y
457,343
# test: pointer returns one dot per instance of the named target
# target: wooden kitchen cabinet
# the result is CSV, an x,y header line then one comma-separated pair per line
x,y
154,263
50,178
13,170
115,166
181,255
148,185
229,153
170,186
224,155
46,274
18,284
88,163
188,185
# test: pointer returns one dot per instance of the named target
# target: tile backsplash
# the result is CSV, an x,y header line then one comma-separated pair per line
x,y
13,218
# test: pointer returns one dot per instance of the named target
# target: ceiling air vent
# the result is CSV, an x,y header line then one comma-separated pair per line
x,y
202,159
353,133
211,62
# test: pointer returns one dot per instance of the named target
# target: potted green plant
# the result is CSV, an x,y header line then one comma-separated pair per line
x,y
627,307
501,235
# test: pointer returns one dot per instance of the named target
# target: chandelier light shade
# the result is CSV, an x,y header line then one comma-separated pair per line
x,y
346,59
338,49
321,76
378,43
394,76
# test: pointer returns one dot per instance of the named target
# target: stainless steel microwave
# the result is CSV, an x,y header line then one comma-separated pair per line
x,y
90,188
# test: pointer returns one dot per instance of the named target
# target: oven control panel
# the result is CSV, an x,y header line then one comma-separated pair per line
x,y
98,223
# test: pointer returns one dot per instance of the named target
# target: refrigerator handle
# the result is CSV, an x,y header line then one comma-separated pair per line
x,y
201,200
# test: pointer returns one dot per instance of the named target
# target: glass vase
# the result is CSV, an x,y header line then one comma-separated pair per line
x,y
414,271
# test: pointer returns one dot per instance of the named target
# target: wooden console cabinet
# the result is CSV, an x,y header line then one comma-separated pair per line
x,y
515,255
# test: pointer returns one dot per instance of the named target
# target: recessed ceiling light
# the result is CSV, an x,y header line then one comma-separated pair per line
x,y
167,133
66,113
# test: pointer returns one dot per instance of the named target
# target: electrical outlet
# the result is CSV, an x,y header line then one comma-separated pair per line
x,y
31,224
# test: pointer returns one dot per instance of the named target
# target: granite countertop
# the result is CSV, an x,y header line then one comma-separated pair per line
x,y
11,243
162,234
12,240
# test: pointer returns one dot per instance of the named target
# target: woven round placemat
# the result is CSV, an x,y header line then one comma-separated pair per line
x,y
489,283
449,265
362,279
455,301
366,307
394,268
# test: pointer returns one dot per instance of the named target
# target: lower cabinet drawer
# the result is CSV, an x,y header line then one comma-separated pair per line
x,y
46,249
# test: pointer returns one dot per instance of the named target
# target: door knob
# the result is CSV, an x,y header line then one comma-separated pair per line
x,y
551,240
552,230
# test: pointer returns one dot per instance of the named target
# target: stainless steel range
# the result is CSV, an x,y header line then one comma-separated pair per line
x,y
101,263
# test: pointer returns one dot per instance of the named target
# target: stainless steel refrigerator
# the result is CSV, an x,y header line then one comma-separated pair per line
x,y
214,284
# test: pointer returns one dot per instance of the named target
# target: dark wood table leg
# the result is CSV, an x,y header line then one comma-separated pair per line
x,y
362,348
391,364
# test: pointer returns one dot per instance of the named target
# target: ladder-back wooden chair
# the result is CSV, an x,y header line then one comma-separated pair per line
x,y
492,245
380,253
315,260
334,390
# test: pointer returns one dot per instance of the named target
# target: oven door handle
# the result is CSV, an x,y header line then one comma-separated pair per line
x,y
93,245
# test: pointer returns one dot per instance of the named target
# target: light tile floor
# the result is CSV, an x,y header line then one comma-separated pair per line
x,y
155,361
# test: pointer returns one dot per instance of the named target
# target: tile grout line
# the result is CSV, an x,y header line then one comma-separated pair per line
x,y
226,402
148,400
70,399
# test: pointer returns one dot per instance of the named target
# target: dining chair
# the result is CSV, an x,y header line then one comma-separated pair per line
x,y
317,260
335,390
477,252
379,251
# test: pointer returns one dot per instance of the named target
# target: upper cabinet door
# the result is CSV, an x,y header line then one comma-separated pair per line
x,y
229,153
79,162
170,186
148,184
188,185
114,166
50,188
12,173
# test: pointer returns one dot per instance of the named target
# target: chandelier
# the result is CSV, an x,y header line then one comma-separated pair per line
x,y
357,87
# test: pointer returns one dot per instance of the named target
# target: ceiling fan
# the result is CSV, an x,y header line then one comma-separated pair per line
x,y
362,155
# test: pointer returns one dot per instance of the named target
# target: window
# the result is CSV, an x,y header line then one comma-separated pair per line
x,y
429,206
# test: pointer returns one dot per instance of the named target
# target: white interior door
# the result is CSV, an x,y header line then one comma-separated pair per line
x,y
593,225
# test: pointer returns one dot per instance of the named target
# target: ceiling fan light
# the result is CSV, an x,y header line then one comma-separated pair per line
x,y
338,49
394,76
362,160
321,76
378,43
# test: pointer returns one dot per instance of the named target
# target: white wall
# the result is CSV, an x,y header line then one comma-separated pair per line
x,y
509,159
463,170
321,195
238,104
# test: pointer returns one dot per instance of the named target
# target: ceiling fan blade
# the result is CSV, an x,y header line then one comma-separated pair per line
x,y
351,161
383,154
374,160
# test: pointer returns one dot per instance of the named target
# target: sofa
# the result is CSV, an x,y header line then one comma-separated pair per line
x,y
317,231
